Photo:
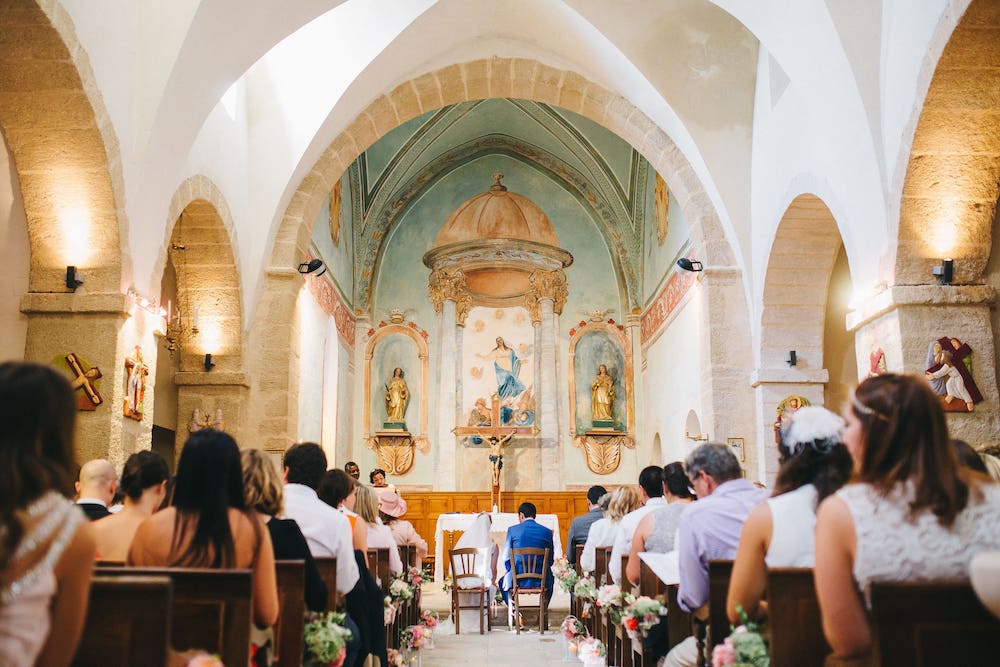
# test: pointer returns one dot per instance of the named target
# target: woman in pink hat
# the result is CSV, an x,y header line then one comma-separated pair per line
x,y
390,508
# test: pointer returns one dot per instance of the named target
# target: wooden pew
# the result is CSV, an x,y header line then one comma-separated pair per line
x,y
128,622
716,628
327,566
650,585
288,630
678,621
793,618
940,623
211,609
378,565
601,575
575,604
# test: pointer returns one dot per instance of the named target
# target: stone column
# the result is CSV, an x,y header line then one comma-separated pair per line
x,y
89,325
451,302
636,401
210,392
726,360
771,387
549,291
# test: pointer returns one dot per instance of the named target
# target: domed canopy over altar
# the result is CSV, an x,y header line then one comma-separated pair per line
x,y
497,239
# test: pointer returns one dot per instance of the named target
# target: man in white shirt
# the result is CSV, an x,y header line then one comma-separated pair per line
x,y
651,489
327,531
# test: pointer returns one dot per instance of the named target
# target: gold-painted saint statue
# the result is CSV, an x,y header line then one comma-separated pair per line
x,y
397,395
602,391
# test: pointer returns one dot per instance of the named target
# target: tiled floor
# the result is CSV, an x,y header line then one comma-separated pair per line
x,y
499,648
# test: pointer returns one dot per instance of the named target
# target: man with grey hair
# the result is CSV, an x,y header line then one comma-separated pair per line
x,y
96,488
709,530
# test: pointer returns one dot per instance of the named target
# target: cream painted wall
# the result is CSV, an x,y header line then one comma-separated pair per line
x,y
672,382
14,260
331,390
313,326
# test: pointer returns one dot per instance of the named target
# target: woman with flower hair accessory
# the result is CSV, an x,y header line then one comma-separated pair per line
x,y
779,533
912,514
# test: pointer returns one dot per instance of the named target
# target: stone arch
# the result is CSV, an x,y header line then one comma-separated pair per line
x,y
656,451
793,314
64,149
202,250
481,79
949,194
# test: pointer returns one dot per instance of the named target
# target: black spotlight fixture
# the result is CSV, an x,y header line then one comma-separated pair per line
x,y
314,267
690,264
792,359
945,271
209,364
73,279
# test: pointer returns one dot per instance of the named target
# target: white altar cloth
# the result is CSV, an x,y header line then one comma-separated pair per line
x,y
498,532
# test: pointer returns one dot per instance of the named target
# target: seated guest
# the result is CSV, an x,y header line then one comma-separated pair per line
x,y
579,527
209,525
390,510
327,531
780,532
913,513
651,489
377,479
619,502
477,537
526,533
339,490
379,536
657,530
96,488
262,493
709,529
144,483
969,457
352,469
46,543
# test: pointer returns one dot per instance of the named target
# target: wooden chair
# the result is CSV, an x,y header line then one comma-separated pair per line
x,y
464,569
211,609
327,567
291,617
128,624
793,618
534,565
939,623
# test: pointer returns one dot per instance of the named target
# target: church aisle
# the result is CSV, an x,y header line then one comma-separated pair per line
x,y
499,648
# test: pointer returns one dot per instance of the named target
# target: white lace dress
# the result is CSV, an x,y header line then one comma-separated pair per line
x,y
25,603
893,547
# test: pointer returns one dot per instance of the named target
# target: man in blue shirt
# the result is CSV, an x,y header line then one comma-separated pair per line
x,y
579,527
527,533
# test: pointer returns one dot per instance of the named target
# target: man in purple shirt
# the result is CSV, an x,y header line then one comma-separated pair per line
x,y
709,530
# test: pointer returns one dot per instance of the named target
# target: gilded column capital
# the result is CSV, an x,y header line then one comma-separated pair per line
x,y
550,285
446,285
533,306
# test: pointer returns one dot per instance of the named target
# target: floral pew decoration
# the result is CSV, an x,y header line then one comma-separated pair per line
x,y
574,631
641,614
325,639
592,652
411,641
429,619
611,602
586,590
744,647
565,576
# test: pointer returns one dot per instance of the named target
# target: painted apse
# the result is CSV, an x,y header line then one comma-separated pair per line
x,y
600,198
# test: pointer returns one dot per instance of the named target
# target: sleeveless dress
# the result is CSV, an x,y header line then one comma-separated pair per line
x,y
793,528
25,603
891,546
665,520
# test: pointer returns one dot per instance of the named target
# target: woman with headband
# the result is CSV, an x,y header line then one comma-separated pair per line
x,y
913,513
779,532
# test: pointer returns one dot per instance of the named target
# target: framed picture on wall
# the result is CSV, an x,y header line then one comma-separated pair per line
x,y
278,457
738,448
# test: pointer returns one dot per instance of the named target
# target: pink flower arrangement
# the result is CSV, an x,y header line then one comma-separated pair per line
x,y
395,658
414,637
641,614
572,627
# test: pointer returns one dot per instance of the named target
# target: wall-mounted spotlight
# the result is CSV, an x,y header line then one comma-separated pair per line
x,y
73,279
209,364
792,359
314,267
945,271
690,264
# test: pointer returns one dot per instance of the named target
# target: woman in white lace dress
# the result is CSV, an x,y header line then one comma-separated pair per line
x,y
914,515
46,547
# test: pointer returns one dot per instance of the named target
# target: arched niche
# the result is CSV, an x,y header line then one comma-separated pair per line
x,y
656,451
391,346
591,345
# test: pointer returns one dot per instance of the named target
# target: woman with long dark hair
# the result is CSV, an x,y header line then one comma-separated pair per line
x,y
208,524
46,545
780,532
144,484
913,512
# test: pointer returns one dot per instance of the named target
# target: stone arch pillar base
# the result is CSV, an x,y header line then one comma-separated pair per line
x,y
210,392
771,387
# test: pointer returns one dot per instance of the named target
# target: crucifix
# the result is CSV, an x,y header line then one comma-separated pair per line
x,y
84,380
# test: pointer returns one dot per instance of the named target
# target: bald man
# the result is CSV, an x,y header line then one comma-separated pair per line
x,y
96,488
